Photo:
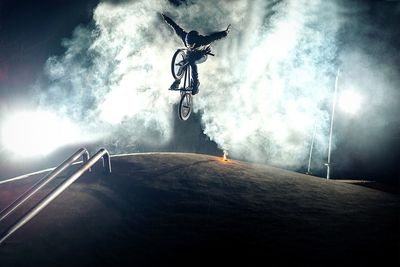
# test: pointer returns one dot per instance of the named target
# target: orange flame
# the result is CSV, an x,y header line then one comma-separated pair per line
x,y
225,155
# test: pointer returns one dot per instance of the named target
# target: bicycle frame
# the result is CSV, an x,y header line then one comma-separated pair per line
x,y
187,77
183,70
187,82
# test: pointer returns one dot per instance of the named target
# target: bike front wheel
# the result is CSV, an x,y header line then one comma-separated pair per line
x,y
177,64
185,106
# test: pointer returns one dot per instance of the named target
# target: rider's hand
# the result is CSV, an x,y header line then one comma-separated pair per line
x,y
228,29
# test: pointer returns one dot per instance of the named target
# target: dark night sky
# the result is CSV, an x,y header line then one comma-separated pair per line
x,y
32,31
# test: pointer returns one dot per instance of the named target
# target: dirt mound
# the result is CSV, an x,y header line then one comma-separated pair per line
x,y
190,209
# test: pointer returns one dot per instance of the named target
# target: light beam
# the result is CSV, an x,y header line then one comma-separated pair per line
x,y
36,133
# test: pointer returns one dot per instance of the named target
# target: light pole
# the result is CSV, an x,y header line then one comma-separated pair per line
x,y
311,149
328,164
350,102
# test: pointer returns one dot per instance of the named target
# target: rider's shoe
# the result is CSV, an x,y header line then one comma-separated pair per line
x,y
175,85
195,89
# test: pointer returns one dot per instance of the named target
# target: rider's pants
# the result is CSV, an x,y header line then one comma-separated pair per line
x,y
194,59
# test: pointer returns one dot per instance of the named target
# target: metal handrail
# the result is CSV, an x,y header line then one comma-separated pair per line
x,y
42,182
102,153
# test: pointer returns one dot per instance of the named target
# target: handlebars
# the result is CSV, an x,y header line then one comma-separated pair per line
x,y
207,51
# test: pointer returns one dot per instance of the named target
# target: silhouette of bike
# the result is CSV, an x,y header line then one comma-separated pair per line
x,y
181,69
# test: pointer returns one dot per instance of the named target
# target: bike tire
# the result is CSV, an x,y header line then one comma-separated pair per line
x,y
185,106
177,57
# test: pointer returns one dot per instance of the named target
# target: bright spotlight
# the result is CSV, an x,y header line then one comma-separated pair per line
x,y
350,102
36,133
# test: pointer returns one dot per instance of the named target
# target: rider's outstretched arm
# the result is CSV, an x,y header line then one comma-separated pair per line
x,y
178,30
213,37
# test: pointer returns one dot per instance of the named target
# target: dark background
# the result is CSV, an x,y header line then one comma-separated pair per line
x,y
32,31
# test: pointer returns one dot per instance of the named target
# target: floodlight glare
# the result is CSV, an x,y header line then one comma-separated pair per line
x,y
350,101
36,133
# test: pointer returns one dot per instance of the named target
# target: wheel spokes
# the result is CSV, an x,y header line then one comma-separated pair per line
x,y
186,106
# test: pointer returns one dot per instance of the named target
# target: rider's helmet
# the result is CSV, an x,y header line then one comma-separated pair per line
x,y
191,38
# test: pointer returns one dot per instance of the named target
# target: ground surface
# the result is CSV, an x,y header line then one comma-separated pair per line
x,y
189,209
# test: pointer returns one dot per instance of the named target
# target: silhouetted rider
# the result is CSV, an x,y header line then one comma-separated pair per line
x,y
198,47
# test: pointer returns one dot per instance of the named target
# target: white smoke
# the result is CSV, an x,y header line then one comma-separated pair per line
x,y
260,98
114,75
266,90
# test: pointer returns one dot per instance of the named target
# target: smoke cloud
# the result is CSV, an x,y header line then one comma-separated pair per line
x,y
261,97
271,82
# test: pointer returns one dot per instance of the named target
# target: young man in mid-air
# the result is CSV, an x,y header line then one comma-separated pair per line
x,y
198,47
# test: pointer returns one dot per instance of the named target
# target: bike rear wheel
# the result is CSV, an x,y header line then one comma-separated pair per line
x,y
185,106
177,68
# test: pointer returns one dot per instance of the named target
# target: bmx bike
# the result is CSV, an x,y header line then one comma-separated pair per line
x,y
181,69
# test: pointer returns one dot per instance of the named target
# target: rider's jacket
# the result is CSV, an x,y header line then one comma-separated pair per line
x,y
202,43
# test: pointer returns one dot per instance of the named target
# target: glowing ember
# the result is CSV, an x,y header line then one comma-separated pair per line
x,y
225,155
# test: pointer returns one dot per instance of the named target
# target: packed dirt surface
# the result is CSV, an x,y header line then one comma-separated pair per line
x,y
190,209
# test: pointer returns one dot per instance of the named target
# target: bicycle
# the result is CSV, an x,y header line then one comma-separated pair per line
x,y
181,68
